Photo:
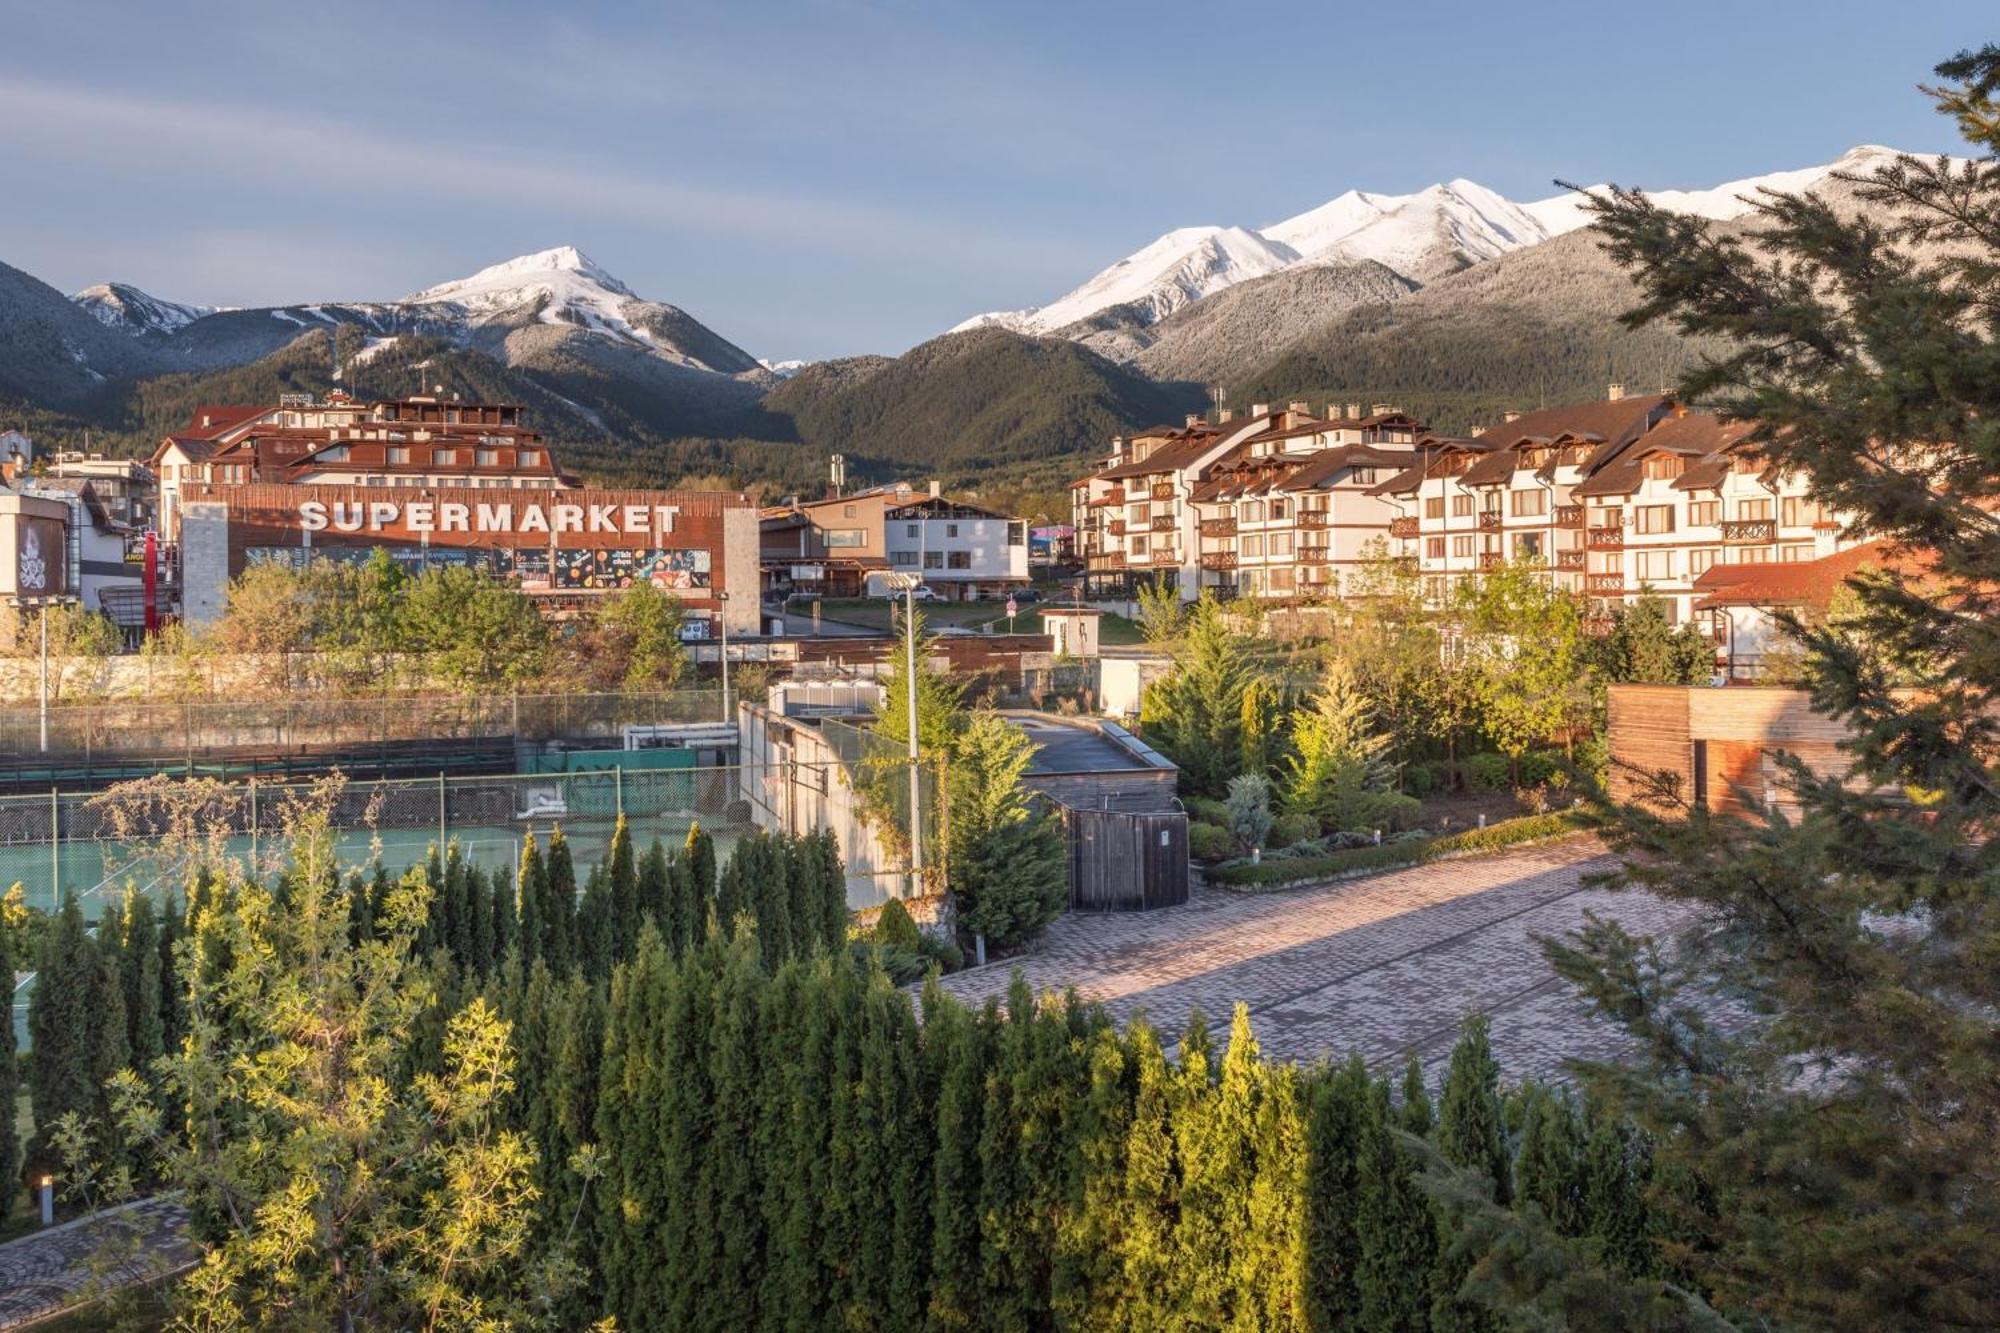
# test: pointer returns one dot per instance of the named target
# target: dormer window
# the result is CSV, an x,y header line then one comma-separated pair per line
x,y
1665,467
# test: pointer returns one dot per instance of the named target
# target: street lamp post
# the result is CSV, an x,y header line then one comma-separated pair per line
x,y
722,618
908,584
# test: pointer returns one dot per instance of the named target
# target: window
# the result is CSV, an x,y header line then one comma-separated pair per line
x,y
1653,566
1139,513
439,457
1753,555
337,454
1607,518
1017,534
1281,580
846,537
1665,467
1461,506
1281,543
904,559
847,512
958,560
1529,504
1434,507
1604,562
1461,547
399,453
531,458
951,529
1700,559
1799,512
1753,509
1253,544
1704,513
486,458
1277,509
1528,546
1252,511
1364,476
933,559
1653,519
910,529
1137,544
1434,548
1794,554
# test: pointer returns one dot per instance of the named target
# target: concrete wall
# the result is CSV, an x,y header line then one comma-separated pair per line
x,y
204,529
742,575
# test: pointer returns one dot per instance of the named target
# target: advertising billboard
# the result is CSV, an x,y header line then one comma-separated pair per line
x,y
41,557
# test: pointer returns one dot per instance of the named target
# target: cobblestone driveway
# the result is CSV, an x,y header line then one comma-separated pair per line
x,y
55,1269
1382,965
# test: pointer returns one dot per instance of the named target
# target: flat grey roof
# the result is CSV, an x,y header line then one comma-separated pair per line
x,y
1069,748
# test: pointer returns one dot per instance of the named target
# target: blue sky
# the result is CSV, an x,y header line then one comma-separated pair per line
x,y
817,179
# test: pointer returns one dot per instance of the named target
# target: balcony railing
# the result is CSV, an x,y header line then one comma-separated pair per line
x,y
1489,520
1603,584
1163,490
1109,560
1312,518
1491,560
1313,555
1165,523
1569,516
1218,559
1117,527
1166,557
1750,530
1402,527
1569,559
1606,539
1218,527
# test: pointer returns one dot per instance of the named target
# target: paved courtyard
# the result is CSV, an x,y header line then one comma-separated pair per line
x,y
48,1271
1382,965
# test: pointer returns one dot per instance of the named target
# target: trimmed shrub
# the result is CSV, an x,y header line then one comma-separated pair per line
x,y
896,929
1418,779
1539,766
1208,810
1401,851
1288,830
1210,842
1489,772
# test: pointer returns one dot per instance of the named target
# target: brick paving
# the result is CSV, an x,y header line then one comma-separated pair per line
x,y
50,1271
1382,965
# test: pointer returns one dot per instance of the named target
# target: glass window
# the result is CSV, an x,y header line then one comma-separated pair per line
x,y
1794,554
1700,559
1653,566
951,529
933,559
1434,548
846,537
1461,506
1753,509
1277,509
1653,519
958,560
1434,507
1704,513
910,529
1281,543
1461,547
1529,504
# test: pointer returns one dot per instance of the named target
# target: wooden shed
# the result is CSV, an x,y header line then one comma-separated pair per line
x,y
1718,745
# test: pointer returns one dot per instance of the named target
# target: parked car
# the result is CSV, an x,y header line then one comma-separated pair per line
x,y
923,592
1026,595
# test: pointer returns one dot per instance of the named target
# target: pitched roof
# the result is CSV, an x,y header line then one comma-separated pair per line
x,y
1808,583
1609,425
1430,450
1328,463
211,419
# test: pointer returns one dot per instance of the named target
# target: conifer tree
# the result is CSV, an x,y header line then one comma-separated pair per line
x,y
677,929
1149,1258
559,944
1008,876
173,998
457,926
624,887
1549,1168
734,893
1194,715
479,907
141,985
728,1256
1617,1170
629,1223
699,857
1399,1235
1414,1115
1469,1130
959,1044
654,904
832,891
63,1015
1088,1289
13,915
1337,1101
532,896
772,878
1861,344
596,926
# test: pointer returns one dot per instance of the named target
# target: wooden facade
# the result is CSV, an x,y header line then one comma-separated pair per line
x,y
1126,861
1719,746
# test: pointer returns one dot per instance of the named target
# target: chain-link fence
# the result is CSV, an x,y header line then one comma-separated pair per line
x,y
300,723
75,843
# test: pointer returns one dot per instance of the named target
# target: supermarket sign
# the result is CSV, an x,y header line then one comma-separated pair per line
x,y
513,517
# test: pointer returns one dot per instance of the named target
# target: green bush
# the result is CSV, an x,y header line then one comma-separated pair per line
x,y
1287,830
896,929
1401,852
1539,766
1418,779
1208,810
1489,772
1210,842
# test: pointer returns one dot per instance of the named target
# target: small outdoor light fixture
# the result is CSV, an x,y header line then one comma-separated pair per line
x,y
48,1193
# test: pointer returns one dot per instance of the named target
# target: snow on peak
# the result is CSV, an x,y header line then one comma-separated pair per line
x,y
1720,203
1178,269
1450,223
563,286
121,306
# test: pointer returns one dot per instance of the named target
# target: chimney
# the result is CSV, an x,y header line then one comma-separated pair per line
x,y
1477,428
1193,420
1118,443
1260,409
1510,415
1614,392
1299,406
1380,409
1354,411
937,489
1224,415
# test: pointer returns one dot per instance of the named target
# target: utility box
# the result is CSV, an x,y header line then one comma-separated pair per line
x,y
1073,630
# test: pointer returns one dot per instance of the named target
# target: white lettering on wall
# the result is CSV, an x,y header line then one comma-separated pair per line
x,y
420,516
312,516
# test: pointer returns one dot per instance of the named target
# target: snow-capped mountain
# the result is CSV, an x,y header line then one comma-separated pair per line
x,y
121,306
1421,236
1178,269
511,310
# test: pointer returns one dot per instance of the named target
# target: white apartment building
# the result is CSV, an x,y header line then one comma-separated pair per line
x,y
835,547
1156,510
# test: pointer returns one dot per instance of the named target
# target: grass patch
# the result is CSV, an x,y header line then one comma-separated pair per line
x,y
875,613
1274,872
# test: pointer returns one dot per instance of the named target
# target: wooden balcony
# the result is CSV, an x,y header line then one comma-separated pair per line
x,y
1312,518
1109,560
1117,527
1163,490
1750,530
1569,516
1402,527
1165,523
1218,527
1166,557
1569,559
1314,555
1218,559
1826,525
1490,560
1604,585
1606,539
1490,520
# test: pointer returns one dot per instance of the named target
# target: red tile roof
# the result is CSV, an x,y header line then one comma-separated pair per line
x,y
1807,583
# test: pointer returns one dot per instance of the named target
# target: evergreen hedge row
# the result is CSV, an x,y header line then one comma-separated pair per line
x,y
1286,871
